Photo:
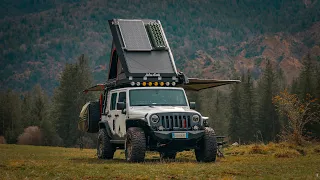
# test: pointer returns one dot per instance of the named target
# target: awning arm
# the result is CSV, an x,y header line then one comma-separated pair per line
x,y
98,87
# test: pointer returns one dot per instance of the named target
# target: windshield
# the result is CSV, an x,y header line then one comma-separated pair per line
x,y
157,97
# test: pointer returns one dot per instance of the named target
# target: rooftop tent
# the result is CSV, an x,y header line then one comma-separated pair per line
x,y
140,47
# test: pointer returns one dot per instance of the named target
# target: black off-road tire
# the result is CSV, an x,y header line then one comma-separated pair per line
x,y
105,149
94,117
135,145
168,155
207,151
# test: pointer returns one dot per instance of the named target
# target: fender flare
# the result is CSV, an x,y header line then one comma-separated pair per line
x,y
105,125
136,122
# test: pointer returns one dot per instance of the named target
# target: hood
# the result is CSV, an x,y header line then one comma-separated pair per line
x,y
141,111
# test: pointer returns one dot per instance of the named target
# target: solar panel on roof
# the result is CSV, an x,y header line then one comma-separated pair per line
x,y
134,35
156,37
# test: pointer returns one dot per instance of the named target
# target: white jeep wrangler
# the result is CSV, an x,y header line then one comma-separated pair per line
x,y
156,119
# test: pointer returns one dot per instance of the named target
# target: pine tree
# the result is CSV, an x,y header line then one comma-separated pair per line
x,y
218,120
68,100
10,116
317,91
294,87
281,85
247,108
219,114
306,78
281,80
308,86
38,106
268,121
235,115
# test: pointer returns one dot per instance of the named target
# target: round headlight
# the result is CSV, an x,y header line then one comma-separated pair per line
x,y
195,118
154,118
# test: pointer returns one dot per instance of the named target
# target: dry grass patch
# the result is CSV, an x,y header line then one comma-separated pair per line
x,y
246,149
278,150
286,153
257,149
235,151
316,149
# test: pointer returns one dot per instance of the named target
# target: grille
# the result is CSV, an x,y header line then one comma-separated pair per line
x,y
176,122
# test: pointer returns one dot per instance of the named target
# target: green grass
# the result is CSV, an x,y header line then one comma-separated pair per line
x,y
243,162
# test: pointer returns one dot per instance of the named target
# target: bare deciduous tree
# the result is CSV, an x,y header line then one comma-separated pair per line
x,y
298,112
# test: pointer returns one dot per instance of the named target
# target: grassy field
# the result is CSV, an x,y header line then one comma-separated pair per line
x,y
272,161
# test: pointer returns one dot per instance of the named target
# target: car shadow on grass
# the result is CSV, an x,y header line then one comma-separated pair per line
x,y
120,160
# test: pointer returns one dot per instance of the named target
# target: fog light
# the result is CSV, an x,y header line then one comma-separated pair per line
x,y
196,127
167,83
144,84
150,83
173,83
132,83
161,83
156,83
160,128
138,83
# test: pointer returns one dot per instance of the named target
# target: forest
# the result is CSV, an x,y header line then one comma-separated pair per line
x,y
266,110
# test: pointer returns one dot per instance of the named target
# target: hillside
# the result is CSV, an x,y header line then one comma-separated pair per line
x,y
272,161
38,38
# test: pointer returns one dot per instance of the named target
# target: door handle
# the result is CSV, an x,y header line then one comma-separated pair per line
x,y
116,115
109,115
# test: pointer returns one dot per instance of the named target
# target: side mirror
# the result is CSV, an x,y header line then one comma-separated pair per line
x,y
121,106
192,105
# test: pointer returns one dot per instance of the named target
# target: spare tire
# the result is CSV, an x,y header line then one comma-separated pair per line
x,y
90,117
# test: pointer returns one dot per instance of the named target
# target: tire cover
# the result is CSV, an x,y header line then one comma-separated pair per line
x,y
83,118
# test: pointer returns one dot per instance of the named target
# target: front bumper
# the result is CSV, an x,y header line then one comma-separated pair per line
x,y
164,140
168,135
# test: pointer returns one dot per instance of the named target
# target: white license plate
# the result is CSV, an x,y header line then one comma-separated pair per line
x,y
179,135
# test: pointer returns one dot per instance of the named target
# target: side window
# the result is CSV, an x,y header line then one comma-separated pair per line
x,y
113,101
122,97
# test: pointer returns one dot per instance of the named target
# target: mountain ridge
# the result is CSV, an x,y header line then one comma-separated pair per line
x,y
218,37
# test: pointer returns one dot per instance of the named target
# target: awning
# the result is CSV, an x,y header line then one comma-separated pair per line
x,y
196,84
